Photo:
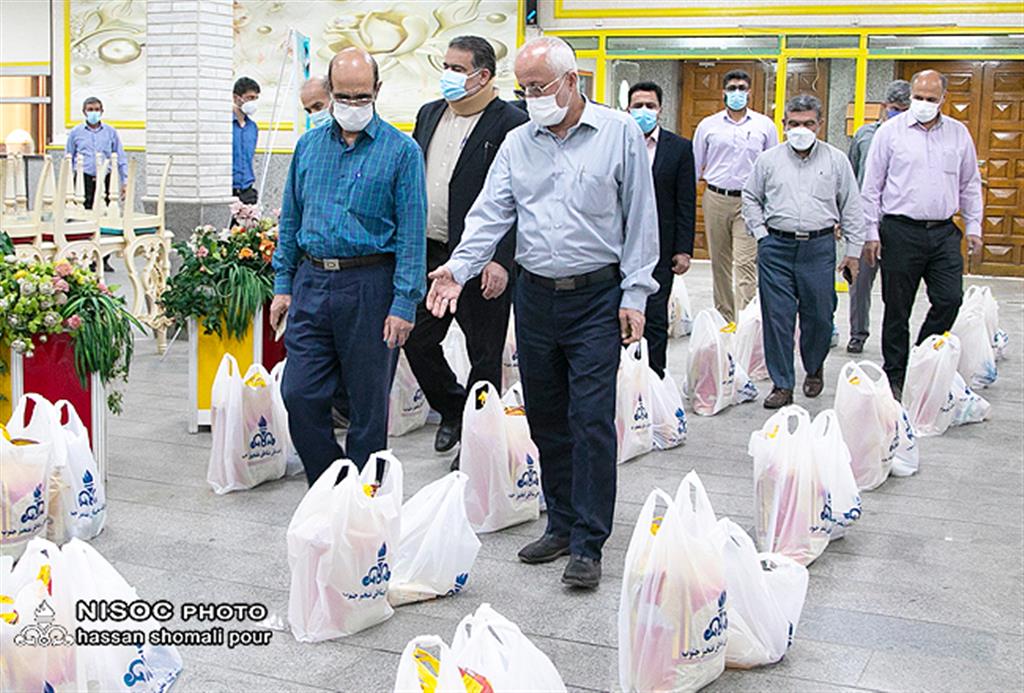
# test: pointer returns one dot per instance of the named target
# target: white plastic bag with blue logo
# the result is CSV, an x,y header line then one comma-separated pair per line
x,y
31,447
633,404
680,314
249,426
500,459
407,406
928,387
749,341
494,655
79,509
832,459
293,463
969,407
766,596
977,362
146,668
438,546
714,377
672,620
870,419
667,414
981,296
420,671
341,546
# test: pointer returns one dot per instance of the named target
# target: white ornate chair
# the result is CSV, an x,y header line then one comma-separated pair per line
x,y
75,241
149,280
26,229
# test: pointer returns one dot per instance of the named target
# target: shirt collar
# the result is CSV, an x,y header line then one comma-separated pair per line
x,y
745,118
653,135
371,130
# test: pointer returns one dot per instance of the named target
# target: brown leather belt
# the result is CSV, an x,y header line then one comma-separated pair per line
x,y
578,281
336,264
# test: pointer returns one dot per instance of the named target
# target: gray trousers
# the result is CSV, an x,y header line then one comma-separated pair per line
x,y
860,301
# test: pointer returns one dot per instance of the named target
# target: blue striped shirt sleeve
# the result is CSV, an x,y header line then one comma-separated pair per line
x,y
410,234
286,256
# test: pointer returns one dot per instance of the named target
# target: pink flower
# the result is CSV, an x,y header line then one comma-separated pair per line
x,y
103,288
60,284
202,251
74,322
63,269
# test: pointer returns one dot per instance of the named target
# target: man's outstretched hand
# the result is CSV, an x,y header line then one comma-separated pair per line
x,y
443,296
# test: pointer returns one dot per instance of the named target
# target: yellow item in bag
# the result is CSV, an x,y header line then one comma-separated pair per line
x,y
256,380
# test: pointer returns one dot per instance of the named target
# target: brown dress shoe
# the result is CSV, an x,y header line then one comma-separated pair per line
x,y
814,383
778,398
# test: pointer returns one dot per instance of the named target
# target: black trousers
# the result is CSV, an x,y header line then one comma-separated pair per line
x,y
569,345
90,189
911,253
485,324
656,322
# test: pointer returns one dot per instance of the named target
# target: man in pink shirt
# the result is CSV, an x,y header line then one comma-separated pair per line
x,y
922,168
725,145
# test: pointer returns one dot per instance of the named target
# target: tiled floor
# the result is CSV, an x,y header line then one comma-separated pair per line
x,y
925,593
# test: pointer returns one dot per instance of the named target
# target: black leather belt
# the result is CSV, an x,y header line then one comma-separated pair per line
x,y
336,264
801,235
723,191
578,281
924,224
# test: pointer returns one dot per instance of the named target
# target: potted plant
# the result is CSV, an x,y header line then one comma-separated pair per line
x,y
222,291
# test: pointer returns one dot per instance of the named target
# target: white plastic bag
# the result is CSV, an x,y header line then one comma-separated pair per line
x,y
714,378
977,362
293,463
340,544
804,488
766,595
81,506
494,655
927,389
633,402
510,357
672,609
982,296
906,458
29,452
869,417
454,348
668,417
419,671
500,459
749,341
438,546
248,425
680,315
969,406
407,406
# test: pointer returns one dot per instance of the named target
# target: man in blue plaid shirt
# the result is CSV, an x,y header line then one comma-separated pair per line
x,y
352,253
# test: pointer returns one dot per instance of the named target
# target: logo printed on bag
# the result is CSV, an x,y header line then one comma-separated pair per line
x,y
138,670
378,574
530,476
715,630
460,584
680,422
640,413
44,632
87,496
263,443
36,509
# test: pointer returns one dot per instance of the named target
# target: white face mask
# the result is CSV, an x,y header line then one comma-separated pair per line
x,y
923,111
800,139
545,111
249,107
353,118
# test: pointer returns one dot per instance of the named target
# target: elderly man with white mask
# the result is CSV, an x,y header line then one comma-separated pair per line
x,y
577,182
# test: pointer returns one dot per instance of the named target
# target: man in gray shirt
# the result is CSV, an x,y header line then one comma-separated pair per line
x,y
577,180
798,193
897,100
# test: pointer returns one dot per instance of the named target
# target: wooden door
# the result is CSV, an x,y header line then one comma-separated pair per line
x,y
988,97
700,96
805,77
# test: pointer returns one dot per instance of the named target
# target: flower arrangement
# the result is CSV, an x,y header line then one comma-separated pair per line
x,y
41,299
225,275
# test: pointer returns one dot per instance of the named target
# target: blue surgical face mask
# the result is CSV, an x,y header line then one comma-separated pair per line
x,y
646,118
736,100
453,84
93,117
320,118
893,112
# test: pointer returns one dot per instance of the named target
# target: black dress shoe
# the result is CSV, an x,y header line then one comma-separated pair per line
x,y
447,436
814,383
455,464
582,572
544,550
339,419
855,346
778,398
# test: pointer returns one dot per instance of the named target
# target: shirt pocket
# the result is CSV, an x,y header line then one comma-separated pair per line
x,y
823,188
950,162
594,194
370,195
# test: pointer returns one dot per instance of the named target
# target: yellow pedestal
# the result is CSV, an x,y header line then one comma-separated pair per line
x,y
6,395
206,352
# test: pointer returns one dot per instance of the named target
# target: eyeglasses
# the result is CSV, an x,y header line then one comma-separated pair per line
x,y
357,102
534,91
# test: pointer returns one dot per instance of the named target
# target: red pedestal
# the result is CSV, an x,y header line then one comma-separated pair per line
x,y
273,351
51,373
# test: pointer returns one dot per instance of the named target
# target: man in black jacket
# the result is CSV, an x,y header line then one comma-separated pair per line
x,y
459,136
675,188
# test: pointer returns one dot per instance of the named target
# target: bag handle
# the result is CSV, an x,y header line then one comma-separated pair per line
x,y
700,508
18,416
277,372
74,423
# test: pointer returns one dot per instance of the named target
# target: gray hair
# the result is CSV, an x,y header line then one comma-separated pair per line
x,y
942,78
804,102
898,92
91,101
560,56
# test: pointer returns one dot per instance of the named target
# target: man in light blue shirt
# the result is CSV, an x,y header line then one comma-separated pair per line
x,y
244,133
95,137
577,182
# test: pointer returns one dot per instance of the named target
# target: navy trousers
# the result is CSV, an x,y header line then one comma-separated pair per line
x,y
656,322
569,345
335,331
796,278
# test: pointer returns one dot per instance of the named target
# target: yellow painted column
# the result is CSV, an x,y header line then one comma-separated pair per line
x,y
860,90
600,70
780,86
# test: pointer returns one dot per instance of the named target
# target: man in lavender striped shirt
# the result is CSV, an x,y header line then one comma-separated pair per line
x,y
922,168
